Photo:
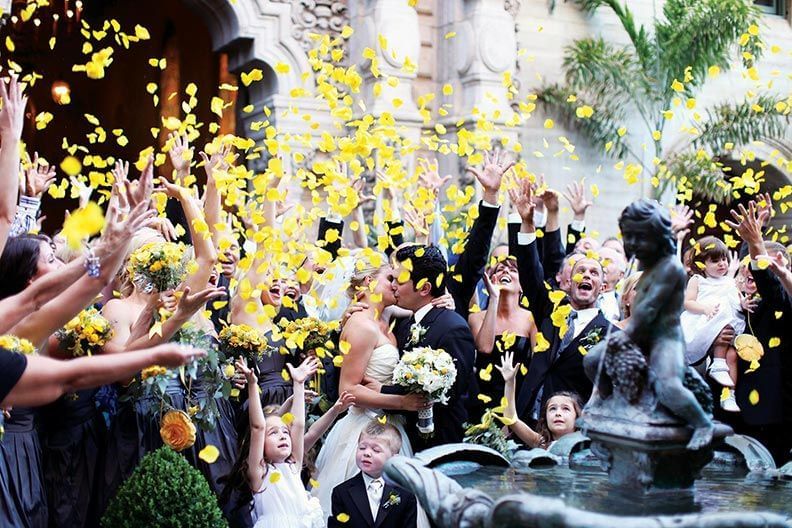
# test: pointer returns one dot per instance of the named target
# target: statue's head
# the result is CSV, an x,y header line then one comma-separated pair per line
x,y
646,230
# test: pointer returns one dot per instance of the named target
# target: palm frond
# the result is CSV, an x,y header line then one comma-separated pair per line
x,y
697,34
644,48
741,123
699,172
598,66
599,129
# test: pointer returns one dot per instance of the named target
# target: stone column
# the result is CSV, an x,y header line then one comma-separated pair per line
x,y
474,62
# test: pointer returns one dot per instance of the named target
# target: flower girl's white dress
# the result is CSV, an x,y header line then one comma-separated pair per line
x,y
285,503
336,461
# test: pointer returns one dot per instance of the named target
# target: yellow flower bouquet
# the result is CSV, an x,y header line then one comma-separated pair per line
x,y
241,340
309,334
86,334
158,266
16,344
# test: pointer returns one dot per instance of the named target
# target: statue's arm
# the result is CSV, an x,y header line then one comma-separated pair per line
x,y
657,296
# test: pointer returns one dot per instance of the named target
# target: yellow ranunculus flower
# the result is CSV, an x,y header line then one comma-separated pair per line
x,y
177,430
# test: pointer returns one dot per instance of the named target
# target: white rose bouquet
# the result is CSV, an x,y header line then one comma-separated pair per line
x,y
430,372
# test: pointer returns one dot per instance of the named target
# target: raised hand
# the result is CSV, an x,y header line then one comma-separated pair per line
x,y
681,220
174,355
430,177
748,223
180,153
165,227
242,367
217,161
416,220
306,369
765,205
576,196
37,178
120,227
492,290
507,367
490,175
522,199
140,191
358,186
345,400
192,302
12,114
749,302
84,192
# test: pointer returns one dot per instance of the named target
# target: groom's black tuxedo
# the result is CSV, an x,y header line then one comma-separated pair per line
x,y
350,497
446,330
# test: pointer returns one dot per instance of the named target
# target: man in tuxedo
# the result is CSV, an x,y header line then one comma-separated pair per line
x,y
366,500
559,367
420,277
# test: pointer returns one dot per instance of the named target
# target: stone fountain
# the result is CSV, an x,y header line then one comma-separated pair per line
x,y
649,419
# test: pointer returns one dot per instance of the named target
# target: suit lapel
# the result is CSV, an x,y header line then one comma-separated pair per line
x,y
598,321
357,491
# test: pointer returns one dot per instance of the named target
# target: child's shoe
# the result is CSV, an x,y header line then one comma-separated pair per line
x,y
730,404
719,371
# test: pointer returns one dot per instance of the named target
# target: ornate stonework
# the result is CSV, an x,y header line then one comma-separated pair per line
x,y
317,16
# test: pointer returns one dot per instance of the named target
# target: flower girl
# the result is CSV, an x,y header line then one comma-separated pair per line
x,y
276,456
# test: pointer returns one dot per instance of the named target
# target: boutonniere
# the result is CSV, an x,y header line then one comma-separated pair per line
x,y
416,333
393,500
592,338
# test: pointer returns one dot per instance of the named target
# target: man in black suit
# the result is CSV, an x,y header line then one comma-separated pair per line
x,y
560,366
764,394
366,500
419,278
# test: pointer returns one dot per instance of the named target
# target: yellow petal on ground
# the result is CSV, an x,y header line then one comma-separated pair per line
x,y
209,454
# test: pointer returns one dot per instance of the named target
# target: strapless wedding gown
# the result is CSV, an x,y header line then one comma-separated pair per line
x,y
336,461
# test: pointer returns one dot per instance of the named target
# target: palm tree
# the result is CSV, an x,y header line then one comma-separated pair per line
x,y
661,71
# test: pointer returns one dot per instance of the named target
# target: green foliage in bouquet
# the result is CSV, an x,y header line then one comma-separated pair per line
x,y
164,492
490,433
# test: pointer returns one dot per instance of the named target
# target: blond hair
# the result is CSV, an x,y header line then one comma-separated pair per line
x,y
385,432
628,286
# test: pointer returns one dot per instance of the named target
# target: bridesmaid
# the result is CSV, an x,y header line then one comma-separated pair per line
x,y
505,326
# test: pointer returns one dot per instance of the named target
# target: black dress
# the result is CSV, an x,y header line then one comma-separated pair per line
x,y
73,437
494,387
22,489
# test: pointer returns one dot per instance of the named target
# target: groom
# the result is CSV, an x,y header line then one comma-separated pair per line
x,y
419,277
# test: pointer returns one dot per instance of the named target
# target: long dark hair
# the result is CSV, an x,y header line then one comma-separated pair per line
x,y
541,425
19,262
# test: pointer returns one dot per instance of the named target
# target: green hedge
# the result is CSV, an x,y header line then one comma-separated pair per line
x,y
164,491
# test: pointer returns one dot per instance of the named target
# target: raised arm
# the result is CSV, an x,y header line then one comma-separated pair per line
x,y
297,428
46,379
576,196
258,429
12,120
509,370
484,331
320,426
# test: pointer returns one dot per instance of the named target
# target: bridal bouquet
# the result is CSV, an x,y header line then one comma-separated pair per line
x,y
86,334
20,345
158,266
241,340
430,372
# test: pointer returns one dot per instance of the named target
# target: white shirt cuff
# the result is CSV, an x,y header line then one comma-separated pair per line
x,y
578,225
524,239
485,203
540,218
515,218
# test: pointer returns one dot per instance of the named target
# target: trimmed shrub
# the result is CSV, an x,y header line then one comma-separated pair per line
x,y
164,491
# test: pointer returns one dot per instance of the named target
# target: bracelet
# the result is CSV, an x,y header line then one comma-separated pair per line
x,y
92,264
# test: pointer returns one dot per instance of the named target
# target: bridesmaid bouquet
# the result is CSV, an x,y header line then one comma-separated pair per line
x,y
429,372
86,334
241,340
159,266
16,344
310,334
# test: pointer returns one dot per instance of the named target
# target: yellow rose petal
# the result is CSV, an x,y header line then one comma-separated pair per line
x,y
275,477
774,342
753,397
342,517
209,454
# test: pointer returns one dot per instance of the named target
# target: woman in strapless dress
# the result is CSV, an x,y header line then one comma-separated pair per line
x,y
372,353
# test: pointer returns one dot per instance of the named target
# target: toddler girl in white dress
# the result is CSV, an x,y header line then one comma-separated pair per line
x,y
712,302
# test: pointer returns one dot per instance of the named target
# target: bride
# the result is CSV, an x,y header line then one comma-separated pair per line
x,y
373,354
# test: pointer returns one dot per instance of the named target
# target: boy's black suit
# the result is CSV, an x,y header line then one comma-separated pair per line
x,y
350,497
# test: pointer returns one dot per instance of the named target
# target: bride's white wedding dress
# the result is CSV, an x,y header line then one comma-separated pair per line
x,y
336,461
